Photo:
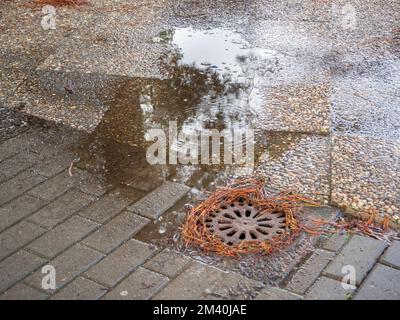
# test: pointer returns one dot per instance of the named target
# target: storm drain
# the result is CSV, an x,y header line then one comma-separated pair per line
x,y
241,221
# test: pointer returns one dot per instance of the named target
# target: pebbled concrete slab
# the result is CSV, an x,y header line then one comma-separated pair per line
x,y
299,161
160,200
382,284
365,173
361,253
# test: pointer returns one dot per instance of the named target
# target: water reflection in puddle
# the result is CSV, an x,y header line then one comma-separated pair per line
x,y
211,83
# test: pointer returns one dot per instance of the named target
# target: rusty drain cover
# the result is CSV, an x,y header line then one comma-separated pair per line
x,y
241,221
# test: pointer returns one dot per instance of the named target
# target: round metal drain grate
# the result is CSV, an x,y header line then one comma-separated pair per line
x,y
241,221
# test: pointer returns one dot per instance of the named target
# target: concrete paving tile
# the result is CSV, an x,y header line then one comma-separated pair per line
x,y
365,173
298,161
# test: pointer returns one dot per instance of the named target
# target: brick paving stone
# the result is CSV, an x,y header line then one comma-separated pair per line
x,y
61,209
62,236
392,255
140,285
381,284
80,289
328,289
106,207
274,293
158,201
55,164
20,143
199,276
17,236
22,292
168,263
336,241
18,209
19,185
16,267
309,271
90,183
53,187
117,230
121,262
361,252
232,286
68,265
16,164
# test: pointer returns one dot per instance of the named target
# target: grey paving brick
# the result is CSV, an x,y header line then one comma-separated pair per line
x,y
16,164
140,285
200,278
161,199
55,164
80,289
90,183
62,236
274,293
168,262
383,283
361,252
392,255
53,187
16,267
18,236
106,207
20,143
232,286
19,185
121,262
336,241
309,271
117,230
22,292
328,289
68,265
18,209
61,209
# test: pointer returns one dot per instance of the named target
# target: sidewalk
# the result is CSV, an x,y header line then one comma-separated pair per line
x,y
76,102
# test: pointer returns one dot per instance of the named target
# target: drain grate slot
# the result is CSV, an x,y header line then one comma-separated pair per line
x,y
242,221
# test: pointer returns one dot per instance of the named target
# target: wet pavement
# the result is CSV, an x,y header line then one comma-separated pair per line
x,y
317,81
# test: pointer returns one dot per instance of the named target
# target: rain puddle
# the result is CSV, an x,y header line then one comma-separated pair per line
x,y
211,83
